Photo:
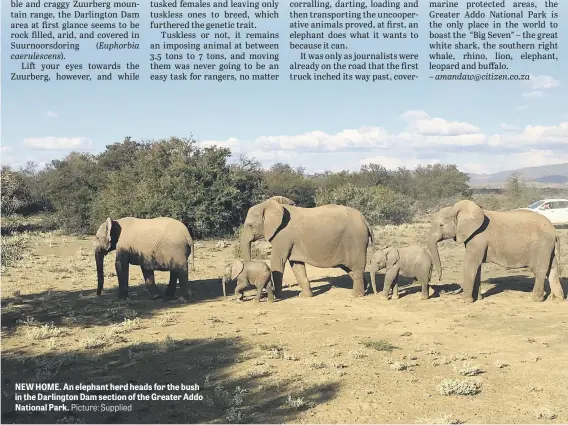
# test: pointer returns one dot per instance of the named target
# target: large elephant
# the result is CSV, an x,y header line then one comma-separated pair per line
x,y
326,236
161,243
511,239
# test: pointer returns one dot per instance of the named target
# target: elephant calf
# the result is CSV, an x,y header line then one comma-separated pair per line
x,y
412,261
253,272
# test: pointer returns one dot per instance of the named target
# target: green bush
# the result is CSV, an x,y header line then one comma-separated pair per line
x,y
283,180
13,248
72,184
199,186
178,179
20,191
516,194
379,204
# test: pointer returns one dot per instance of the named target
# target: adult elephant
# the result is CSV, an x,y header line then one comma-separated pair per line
x,y
511,239
326,236
161,243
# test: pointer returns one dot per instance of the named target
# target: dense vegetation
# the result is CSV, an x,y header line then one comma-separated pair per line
x,y
211,195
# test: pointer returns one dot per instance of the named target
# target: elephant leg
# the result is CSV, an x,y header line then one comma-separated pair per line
x,y
556,291
277,264
538,289
171,289
395,295
239,290
471,278
150,283
270,298
390,277
358,283
299,270
122,267
185,290
424,281
424,295
258,295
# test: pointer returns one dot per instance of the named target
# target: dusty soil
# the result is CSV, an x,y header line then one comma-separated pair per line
x,y
327,359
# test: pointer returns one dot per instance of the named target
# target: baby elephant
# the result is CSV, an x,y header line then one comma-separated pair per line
x,y
412,261
253,272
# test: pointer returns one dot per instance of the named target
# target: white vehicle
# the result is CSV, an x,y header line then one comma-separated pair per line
x,y
556,210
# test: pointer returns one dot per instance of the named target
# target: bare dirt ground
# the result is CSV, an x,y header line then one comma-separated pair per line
x,y
328,359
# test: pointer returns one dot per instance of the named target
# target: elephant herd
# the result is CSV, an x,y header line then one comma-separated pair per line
x,y
334,236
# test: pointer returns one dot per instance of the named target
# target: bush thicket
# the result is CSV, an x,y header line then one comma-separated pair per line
x,y
199,186
516,194
379,204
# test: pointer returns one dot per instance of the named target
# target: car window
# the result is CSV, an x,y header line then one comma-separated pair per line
x,y
554,205
534,205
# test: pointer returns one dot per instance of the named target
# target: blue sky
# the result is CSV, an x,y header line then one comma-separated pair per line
x,y
480,126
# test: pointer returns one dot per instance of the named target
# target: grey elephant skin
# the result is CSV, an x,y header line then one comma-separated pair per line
x,y
253,272
328,236
410,261
161,244
511,239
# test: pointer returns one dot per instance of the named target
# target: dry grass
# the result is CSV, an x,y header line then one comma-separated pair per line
x,y
459,387
328,359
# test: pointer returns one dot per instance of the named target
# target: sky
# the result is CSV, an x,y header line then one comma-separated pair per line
x,y
482,127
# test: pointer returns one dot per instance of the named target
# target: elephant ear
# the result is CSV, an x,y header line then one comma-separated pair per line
x,y
393,256
272,218
104,235
469,217
237,269
283,200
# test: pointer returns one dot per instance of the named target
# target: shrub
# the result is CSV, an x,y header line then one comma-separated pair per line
x,y
283,180
175,178
468,387
20,191
171,177
13,248
72,184
379,204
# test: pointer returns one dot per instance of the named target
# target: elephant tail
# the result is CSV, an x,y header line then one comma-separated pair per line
x,y
557,255
192,255
191,244
372,237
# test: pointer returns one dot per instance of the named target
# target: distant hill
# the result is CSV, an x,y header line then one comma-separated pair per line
x,y
547,175
552,179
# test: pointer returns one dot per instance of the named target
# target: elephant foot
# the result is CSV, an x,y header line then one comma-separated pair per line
x,y
395,297
556,298
423,297
537,297
357,292
306,294
382,296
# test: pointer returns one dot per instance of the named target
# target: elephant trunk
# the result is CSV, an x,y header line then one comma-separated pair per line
x,y
433,240
246,245
223,281
99,260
